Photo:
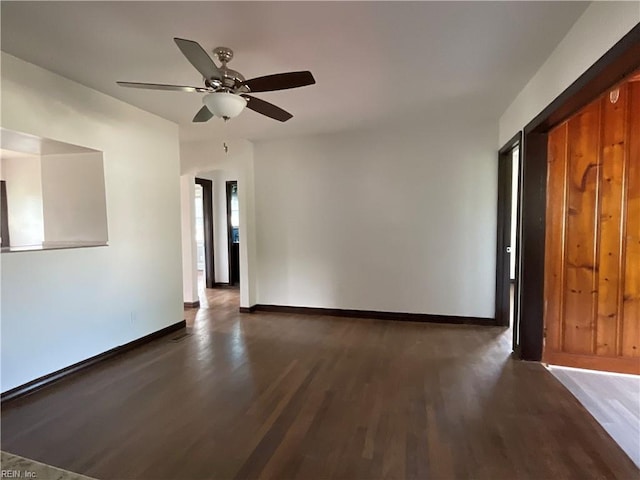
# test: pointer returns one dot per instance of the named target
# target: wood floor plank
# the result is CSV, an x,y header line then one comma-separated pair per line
x,y
285,396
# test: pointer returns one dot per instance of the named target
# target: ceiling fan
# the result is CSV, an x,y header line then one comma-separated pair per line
x,y
227,90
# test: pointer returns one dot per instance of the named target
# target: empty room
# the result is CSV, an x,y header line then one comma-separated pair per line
x,y
320,240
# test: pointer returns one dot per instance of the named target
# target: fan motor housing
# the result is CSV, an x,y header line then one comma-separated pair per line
x,y
230,78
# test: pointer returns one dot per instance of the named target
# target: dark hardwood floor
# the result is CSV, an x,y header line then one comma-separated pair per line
x,y
285,396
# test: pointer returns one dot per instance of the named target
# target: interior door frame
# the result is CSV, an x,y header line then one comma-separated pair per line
x,y
229,186
207,214
616,64
503,258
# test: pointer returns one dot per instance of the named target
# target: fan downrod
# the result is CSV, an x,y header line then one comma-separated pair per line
x,y
230,78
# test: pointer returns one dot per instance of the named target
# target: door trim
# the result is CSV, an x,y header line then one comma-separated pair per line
x,y
207,214
503,238
619,62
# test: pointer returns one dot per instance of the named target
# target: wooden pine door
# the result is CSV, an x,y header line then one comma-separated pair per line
x,y
592,249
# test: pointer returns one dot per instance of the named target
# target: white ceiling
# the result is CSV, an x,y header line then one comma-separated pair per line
x,y
373,61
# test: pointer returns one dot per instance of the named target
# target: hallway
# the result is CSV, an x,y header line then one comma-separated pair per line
x,y
286,396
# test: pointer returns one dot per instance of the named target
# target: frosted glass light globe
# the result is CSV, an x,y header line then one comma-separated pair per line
x,y
224,105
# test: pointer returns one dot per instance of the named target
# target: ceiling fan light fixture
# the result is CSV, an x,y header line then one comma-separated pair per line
x,y
220,82
224,105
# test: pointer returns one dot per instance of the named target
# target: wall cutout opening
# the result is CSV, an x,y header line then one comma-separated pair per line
x,y
53,194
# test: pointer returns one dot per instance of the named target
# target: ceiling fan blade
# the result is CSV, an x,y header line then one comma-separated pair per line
x,y
266,108
198,58
203,115
280,81
160,86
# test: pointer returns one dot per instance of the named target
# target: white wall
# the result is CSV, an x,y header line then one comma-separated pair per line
x,y
24,199
394,219
600,27
62,306
73,198
208,160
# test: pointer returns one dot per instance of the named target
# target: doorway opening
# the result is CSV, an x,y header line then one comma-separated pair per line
x,y
591,278
233,232
204,233
513,242
615,65
507,236
199,237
